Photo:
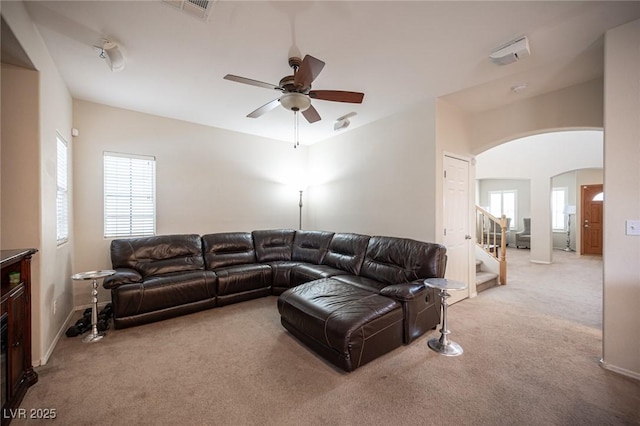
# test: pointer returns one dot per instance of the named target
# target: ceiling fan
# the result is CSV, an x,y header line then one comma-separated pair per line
x,y
296,89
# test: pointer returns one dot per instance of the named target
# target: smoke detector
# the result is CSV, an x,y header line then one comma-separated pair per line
x,y
511,52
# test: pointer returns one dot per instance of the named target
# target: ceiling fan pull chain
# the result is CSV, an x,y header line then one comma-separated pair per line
x,y
296,133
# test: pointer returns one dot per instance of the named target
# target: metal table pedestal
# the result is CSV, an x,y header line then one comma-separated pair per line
x,y
443,345
95,335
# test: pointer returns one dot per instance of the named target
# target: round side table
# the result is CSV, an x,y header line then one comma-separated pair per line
x,y
443,345
95,335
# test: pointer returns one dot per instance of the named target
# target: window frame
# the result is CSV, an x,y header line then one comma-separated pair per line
x,y
557,213
62,190
140,184
514,220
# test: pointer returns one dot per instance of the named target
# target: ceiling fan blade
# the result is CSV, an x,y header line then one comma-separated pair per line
x,y
264,108
251,82
308,71
337,96
311,114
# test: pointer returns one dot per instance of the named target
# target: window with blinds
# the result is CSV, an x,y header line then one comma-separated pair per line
x,y
129,195
62,192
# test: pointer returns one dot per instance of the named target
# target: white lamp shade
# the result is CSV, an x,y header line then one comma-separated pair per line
x,y
570,210
295,101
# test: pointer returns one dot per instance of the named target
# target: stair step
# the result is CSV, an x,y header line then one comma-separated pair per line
x,y
483,276
485,280
478,266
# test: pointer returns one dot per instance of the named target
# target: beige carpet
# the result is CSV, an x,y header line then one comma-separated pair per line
x,y
531,358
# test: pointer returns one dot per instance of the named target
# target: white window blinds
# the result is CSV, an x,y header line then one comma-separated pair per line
x,y
62,192
129,195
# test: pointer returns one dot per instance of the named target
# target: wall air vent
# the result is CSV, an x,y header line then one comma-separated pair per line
x,y
198,8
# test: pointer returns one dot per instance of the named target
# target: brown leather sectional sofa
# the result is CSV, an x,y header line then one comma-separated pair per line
x,y
350,297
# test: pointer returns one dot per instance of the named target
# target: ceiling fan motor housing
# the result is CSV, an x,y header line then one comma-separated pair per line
x,y
295,101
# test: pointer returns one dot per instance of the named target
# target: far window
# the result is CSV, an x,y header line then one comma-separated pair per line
x,y
129,195
558,204
504,203
62,191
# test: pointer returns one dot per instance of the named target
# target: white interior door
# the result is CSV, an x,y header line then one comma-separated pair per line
x,y
456,223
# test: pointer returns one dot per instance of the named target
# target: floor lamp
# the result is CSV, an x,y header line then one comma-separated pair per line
x,y
300,217
569,210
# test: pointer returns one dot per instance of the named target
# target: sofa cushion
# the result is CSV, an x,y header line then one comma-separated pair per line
x,y
310,246
396,260
273,245
241,278
163,292
158,255
361,282
346,252
281,275
306,272
228,249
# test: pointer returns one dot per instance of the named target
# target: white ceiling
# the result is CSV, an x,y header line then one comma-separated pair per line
x,y
398,53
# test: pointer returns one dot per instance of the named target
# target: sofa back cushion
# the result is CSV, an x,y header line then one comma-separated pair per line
x,y
228,249
310,246
396,260
273,245
346,252
158,255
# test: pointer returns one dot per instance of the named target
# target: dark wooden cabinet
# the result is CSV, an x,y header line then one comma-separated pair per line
x,y
15,313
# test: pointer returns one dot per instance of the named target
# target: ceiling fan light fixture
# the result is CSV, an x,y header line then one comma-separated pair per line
x,y
295,101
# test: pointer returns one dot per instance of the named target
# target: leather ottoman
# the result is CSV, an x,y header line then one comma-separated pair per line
x,y
348,325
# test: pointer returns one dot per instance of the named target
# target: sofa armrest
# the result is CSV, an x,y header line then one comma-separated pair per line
x,y
420,306
404,292
122,276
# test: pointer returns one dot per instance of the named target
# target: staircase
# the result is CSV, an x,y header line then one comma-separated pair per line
x,y
484,279
491,239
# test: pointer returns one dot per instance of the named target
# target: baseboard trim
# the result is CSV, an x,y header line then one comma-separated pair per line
x,y
59,334
620,370
541,262
62,330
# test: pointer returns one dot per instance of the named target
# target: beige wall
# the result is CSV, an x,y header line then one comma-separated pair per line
x,y
621,334
207,179
53,263
377,179
575,107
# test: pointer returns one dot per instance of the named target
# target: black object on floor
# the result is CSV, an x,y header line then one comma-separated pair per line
x,y
84,323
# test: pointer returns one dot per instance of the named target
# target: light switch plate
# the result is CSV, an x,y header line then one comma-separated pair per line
x,y
633,227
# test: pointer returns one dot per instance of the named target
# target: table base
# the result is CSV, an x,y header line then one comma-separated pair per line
x,y
93,337
447,348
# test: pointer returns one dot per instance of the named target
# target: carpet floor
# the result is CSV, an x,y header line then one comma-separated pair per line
x,y
531,352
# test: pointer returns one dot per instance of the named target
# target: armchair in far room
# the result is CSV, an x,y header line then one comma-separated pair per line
x,y
523,238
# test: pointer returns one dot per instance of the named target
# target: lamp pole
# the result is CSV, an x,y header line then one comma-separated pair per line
x,y
300,217
568,247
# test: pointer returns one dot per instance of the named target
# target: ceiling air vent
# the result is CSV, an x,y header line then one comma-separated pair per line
x,y
198,8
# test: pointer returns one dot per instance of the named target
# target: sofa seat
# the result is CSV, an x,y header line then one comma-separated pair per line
x,y
349,326
164,296
361,282
281,275
305,272
242,282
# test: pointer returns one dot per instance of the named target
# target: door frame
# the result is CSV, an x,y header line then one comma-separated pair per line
x,y
471,197
580,223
